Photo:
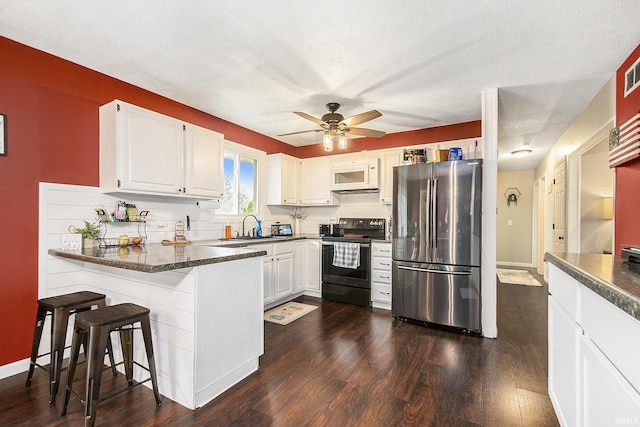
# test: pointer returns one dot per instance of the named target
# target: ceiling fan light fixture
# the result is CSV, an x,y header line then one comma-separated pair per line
x,y
327,141
342,141
521,153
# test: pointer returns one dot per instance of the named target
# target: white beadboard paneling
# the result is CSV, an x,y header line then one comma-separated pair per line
x,y
229,305
225,290
57,265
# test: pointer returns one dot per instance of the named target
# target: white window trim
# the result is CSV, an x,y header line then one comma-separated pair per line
x,y
261,162
636,83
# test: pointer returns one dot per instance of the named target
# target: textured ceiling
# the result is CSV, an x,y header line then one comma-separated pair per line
x,y
420,63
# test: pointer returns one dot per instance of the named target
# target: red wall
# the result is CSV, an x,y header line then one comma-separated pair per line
x,y
401,139
627,226
51,107
52,123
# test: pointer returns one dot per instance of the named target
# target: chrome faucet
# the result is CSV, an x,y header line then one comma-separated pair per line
x,y
243,219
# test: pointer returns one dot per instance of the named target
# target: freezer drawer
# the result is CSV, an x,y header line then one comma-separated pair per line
x,y
435,293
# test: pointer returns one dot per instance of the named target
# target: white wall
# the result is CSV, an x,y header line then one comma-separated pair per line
x,y
596,182
515,221
595,121
350,206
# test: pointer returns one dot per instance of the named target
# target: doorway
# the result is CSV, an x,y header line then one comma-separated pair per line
x,y
596,186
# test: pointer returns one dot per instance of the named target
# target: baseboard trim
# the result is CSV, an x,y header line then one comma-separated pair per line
x,y
11,369
514,264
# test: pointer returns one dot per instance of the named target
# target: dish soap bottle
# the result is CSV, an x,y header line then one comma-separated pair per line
x,y
259,229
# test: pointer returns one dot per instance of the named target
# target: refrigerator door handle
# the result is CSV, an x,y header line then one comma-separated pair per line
x,y
429,210
434,212
425,270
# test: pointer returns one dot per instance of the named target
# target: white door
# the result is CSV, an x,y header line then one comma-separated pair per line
x,y
299,260
538,208
151,151
559,207
284,273
312,255
290,177
389,160
203,162
267,271
315,176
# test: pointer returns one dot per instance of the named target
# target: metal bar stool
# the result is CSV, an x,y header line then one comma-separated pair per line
x,y
60,308
95,328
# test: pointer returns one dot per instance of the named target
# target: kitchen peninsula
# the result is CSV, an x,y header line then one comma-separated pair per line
x,y
206,308
594,325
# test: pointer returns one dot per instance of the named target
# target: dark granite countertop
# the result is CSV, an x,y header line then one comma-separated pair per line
x,y
611,277
239,243
155,258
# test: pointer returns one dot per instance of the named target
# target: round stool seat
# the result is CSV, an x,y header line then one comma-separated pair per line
x,y
113,315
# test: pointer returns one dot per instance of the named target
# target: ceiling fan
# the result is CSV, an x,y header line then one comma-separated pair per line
x,y
335,126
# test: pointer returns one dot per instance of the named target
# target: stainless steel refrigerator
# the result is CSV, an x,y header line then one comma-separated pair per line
x,y
436,243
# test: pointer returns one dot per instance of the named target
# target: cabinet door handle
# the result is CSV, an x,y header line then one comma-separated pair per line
x,y
385,293
384,263
384,277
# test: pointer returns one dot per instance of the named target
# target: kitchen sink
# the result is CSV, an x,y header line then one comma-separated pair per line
x,y
248,238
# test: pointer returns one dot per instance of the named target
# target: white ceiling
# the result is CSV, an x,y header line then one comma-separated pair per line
x,y
420,63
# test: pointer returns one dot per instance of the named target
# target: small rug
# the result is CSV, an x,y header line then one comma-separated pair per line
x,y
516,277
287,313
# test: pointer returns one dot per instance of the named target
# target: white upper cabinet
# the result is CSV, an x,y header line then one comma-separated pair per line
x,y
390,159
315,181
203,148
145,152
283,173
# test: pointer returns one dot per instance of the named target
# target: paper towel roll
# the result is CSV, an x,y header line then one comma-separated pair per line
x,y
208,204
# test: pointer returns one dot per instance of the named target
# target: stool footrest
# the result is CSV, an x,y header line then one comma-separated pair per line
x,y
110,395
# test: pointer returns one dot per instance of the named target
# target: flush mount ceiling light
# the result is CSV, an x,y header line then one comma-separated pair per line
x,y
522,152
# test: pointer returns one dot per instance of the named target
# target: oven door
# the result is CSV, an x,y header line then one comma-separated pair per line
x,y
358,277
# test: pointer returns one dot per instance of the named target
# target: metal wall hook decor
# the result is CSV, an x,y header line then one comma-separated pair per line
x,y
512,194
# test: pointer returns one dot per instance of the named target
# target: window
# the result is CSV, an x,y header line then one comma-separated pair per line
x,y
632,78
240,184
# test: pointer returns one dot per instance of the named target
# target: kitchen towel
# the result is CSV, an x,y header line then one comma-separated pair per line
x,y
346,254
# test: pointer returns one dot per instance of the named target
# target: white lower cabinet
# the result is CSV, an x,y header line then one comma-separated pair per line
x,y
308,267
607,397
564,367
381,275
278,270
593,375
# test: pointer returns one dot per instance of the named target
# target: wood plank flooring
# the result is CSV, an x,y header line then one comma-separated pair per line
x,y
343,365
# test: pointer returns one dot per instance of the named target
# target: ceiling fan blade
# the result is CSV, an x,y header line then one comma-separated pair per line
x,y
302,131
361,118
313,119
365,132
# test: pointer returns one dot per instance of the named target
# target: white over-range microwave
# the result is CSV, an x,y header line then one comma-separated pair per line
x,y
355,175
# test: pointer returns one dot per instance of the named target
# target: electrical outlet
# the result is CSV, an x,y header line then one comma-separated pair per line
x,y
333,220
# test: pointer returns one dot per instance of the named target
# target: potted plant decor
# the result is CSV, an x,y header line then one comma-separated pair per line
x,y
89,233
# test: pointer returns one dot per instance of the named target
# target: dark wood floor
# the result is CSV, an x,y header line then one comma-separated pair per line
x,y
343,365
